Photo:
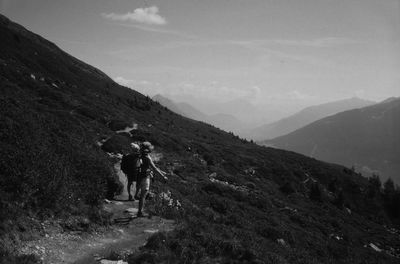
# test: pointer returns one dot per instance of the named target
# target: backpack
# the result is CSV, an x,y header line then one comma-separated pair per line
x,y
144,168
130,163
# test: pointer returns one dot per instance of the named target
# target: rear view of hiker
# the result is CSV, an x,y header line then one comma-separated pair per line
x,y
145,174
130,165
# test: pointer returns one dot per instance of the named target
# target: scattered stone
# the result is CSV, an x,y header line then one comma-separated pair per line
x,y
105,261
375,247
287,208
151,231
131,211
212,175
337,237
281,241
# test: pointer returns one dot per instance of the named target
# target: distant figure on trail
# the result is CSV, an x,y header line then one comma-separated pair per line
x,y
145,174
130,165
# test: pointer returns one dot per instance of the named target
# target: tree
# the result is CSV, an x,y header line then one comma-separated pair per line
x,y
374,186
315,192
388,188
391,198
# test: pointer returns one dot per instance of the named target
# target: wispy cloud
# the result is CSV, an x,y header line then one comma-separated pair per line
x,y
130,82
325,42
147,15
318,42
160,30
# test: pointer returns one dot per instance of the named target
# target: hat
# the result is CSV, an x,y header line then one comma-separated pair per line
x,y
146,147
135,146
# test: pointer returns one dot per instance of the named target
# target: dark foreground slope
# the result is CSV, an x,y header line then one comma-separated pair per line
x,y
367,138
235,201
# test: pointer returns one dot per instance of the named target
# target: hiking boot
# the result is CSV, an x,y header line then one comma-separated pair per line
x,y
140,214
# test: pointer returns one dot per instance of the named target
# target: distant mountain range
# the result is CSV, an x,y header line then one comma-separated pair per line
x,y
226,122
304,117
367,138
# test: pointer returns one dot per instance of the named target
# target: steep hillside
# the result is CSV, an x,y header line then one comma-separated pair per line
x,y
366,138
305,117
64,124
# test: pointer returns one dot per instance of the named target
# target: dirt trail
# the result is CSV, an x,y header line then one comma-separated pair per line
x,y
126,235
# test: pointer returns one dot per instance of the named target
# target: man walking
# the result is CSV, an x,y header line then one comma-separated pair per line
x,y
130,165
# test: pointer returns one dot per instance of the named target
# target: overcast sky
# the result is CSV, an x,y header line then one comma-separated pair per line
x,y
283,52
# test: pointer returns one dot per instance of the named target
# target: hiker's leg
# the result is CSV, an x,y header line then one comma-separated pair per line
x,y
137,190
128,186
144,189
142,201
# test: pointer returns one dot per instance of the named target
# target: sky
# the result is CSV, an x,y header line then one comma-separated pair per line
x,y
280,55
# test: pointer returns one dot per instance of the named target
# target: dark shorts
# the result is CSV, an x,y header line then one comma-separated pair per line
x,y
132,177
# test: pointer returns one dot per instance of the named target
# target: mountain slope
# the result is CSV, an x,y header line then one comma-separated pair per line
x,y
65,124
368,138
226,122
305,117
183,109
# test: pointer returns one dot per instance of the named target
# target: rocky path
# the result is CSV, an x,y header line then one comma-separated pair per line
x,y
125,236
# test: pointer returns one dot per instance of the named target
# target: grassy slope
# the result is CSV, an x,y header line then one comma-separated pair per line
x,y
52,166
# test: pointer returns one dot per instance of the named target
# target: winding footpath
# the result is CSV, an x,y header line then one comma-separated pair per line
x,y
125,236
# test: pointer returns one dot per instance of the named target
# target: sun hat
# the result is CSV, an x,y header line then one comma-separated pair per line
x,y
135,146
146,147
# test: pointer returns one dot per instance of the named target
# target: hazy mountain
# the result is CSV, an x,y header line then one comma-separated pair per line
x,y
64,126
304,117
224,121
368,138
183,109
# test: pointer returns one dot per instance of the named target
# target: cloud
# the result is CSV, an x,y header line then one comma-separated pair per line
x,y
146,15
318,42
294,95
160,30
128,82
122,81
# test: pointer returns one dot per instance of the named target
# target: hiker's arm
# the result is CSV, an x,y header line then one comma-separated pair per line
x,y
160,172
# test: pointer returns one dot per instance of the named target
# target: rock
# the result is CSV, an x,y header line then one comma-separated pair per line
x,y
151,231
131,211
105,261
281,242
375,247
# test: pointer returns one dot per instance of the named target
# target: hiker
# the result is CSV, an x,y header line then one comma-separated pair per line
x,y
145,175
130,165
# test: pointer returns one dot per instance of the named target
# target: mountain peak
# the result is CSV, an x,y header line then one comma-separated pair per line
x,y
306,116
389,100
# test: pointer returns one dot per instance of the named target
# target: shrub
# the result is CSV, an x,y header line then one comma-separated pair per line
x,y
315,192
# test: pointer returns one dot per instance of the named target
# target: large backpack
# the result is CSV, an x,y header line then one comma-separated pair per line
x,y
130,163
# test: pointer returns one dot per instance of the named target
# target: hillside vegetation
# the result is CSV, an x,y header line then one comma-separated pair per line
x,y
235,202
